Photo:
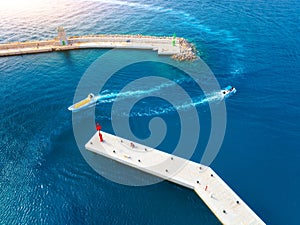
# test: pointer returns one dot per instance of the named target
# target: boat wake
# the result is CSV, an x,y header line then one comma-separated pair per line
x,y
110,97
156,107
166,109
216,96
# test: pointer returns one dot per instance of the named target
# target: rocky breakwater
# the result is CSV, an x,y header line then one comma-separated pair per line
x,y
187,51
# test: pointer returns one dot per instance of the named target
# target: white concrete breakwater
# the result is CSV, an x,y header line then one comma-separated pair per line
x,y
178,48
227,206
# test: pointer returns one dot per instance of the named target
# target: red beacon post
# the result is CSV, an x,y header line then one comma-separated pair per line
x,y
98,128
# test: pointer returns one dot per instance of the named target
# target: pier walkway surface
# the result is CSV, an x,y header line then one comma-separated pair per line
x,y
227,206
181,50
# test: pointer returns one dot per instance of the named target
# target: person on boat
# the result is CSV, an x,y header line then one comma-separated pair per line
x,y
91,96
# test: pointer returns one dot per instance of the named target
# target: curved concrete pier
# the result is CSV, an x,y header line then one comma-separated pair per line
x,y
227,206
180,49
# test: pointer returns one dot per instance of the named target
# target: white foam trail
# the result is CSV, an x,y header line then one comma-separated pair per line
x,y
107,98
210,98
215,97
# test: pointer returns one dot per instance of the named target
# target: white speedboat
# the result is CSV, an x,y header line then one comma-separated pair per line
x,y
85,103
229,90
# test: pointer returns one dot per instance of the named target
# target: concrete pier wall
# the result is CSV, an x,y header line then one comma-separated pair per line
x,y
163,45
226,205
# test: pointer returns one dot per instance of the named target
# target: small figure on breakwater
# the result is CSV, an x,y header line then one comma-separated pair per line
x,y
132,145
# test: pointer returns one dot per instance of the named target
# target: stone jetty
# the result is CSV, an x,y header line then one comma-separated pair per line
x,y
178,48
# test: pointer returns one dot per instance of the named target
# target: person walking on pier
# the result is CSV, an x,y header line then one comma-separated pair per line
x,y
100,137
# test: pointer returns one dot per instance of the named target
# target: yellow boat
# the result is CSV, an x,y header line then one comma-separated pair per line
x,y
89,100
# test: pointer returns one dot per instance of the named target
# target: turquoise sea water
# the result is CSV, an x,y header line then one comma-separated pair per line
x,y
251,45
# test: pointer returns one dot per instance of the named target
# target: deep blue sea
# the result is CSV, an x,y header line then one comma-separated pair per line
x,y
253,45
